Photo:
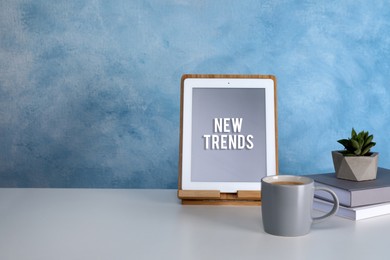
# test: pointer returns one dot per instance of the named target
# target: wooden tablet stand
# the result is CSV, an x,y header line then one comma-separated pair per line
x,y
215,197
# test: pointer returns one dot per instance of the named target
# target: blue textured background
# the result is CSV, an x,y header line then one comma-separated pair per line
x,y
89,90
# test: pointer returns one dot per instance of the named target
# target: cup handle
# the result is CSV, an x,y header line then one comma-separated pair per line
x,y
335,205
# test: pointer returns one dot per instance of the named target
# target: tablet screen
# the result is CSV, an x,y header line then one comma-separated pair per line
x,y
228,135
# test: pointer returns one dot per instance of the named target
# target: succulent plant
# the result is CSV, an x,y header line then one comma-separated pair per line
x,y
358,144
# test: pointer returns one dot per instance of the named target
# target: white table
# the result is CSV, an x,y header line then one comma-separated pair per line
x,y
152,224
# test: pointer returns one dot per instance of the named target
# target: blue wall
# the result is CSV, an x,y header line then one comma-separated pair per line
x,y
89,90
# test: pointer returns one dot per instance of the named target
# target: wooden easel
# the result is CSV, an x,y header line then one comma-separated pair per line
x,y
215,197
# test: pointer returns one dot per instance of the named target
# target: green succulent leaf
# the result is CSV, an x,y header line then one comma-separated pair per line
x,y
365,151
345,142
367,148
355,144
368,140
353,133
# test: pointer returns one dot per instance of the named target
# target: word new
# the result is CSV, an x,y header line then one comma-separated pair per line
x,y
227,141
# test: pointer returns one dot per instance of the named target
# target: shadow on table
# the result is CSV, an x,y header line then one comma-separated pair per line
x,y
240,217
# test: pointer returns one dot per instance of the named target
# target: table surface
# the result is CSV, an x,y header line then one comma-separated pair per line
x,y
152,224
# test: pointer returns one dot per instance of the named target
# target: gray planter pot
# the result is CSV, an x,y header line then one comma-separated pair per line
x,y
355,168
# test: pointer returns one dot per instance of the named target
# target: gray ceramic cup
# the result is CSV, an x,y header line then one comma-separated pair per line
x,y
287,202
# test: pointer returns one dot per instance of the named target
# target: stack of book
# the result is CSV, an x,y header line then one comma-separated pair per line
x,y
358,200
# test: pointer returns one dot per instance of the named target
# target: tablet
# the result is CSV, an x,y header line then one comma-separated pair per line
x,y
228,132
